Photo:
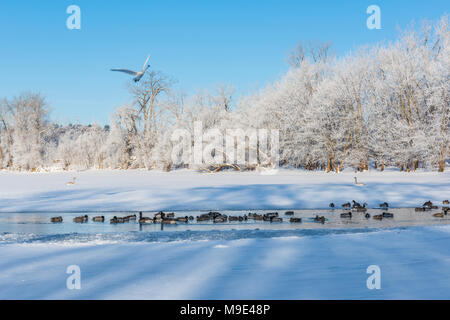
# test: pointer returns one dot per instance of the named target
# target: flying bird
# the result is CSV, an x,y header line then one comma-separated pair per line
x,y
137,75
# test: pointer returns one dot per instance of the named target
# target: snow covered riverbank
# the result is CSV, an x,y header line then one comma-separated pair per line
x,y
414,264
186,190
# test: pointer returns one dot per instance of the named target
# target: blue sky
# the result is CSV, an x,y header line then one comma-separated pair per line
x,y
199,43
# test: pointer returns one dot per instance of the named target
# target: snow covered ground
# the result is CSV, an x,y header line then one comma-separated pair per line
x,y
221,264
414,264
184,190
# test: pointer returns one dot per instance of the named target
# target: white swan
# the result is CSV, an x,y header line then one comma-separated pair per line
x,y
137,75
71,183
360,184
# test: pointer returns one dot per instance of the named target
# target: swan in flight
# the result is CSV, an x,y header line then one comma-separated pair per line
x,y
137,75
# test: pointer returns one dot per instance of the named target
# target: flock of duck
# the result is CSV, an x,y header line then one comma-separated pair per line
x,y
217,217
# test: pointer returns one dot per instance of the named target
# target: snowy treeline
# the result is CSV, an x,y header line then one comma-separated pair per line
x,y
385,105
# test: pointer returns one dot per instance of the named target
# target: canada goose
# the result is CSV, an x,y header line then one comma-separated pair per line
x,y
378,217
346,215
367,216
428,204
384,205
359,184
80,219
445,209
331,205
160,215
289,213
438,215
361,209
346,205
137,75
145,220
191,218
56,219
445,202
98,219
388,215
356,204
295,220
71,183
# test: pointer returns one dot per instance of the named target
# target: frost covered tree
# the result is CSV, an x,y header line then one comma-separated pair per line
x,y
380,106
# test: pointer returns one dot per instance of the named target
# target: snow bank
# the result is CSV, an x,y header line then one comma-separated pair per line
x,y
185,190
414,265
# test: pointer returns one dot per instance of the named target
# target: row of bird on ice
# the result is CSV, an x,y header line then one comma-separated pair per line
x,y
217,217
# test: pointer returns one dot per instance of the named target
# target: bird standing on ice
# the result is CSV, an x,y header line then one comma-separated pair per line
x,y
137,75
71,183
360,184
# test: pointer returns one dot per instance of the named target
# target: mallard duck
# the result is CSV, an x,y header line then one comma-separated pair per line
x,y
384,205
346,205
182,219
132,217
169,221
295,220
438,215
276,219
388,215
319,219
98,219
170,215
203,218
81,219
378,217
346,215
56,219
367,216
289,213
331,205
114,220
220,219
445,202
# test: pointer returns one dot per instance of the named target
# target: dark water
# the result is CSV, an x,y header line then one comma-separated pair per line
x,y
36,227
